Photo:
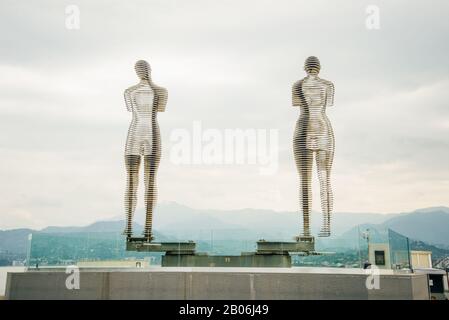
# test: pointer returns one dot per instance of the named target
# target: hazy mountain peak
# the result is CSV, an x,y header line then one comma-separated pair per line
x,y
433,209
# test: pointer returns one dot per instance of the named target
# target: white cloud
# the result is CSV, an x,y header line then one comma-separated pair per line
x,y
231,65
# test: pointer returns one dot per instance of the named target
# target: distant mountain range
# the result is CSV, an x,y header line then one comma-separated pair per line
x,y
171,219
100,226
430,225
184,222
15,240
174,221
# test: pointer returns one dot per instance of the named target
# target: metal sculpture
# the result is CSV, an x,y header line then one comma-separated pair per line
x,y
144,100
314,136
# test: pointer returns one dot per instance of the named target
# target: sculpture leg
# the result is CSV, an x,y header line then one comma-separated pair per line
x,y
324,165
304,159
132,169
151,165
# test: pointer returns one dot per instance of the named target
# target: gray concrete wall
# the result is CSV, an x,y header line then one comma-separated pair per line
x,y
248,260
232,284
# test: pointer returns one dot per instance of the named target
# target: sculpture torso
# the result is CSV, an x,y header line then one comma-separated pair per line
x,y
144,130
313,128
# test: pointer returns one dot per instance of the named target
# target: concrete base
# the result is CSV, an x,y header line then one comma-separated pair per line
x,y
245,260
182,254
142,245
215,283
269,247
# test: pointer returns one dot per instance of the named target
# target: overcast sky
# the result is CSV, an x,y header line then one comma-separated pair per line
x,y
230,65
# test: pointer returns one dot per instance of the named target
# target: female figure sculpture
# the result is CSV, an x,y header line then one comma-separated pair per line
x,y
314,136
144,100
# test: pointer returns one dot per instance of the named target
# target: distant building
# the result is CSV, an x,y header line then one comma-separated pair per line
x,y
395,254
379,255
438,282
387,249
421,259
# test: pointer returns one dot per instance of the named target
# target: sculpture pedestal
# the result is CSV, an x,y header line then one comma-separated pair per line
x,y
182,254
305,245
176,248
246,259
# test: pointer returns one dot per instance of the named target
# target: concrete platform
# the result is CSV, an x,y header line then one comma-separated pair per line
x,y
141,245
270,247
183,254
248,259
215,283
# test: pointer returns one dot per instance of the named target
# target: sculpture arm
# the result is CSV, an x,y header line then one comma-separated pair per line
x,y
128,101
162,97
296,101
330,90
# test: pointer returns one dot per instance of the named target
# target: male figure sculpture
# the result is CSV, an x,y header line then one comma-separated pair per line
x,y
144,100
314,136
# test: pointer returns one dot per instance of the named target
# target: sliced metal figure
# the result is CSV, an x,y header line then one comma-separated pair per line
x,y
144,100
314,136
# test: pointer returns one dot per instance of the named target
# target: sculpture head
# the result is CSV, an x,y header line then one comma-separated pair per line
x,y
143,69
312,66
